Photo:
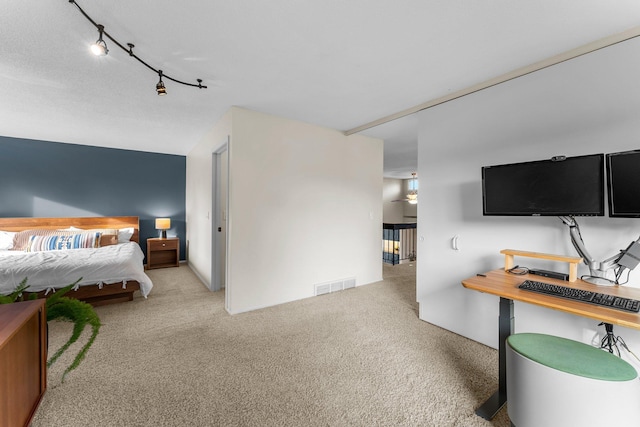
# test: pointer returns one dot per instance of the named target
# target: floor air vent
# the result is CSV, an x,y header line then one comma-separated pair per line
x,y
338,285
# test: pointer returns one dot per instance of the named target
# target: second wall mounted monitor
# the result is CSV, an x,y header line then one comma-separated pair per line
x,y
623,184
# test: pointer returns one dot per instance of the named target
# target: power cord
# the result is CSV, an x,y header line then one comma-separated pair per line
x,y
619,274
588,276
610,342
518,270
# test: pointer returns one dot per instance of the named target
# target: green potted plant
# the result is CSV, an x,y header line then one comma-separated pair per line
x,y
64,308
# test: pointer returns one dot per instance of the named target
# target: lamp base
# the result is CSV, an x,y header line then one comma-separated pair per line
x,y
164,234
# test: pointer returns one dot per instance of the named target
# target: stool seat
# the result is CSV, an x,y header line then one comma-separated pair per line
x,y
554,381
572,357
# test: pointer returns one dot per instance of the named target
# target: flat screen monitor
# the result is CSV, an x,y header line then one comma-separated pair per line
x,y
561,186
623,184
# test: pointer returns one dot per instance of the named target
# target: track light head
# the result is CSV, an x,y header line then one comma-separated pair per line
x,y
99,48
161,89
160,86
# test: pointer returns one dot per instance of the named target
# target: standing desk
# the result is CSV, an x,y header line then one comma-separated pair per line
x,y
505,285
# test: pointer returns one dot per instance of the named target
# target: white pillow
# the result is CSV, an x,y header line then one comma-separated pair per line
x,y
6,240
124,234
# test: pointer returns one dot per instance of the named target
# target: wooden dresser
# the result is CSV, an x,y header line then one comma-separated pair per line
x,y
23,361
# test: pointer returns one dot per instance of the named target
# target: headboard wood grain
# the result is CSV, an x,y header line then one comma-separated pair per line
x,y
86,223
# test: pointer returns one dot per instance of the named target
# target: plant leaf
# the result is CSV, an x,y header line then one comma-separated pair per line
x,y
13,296
68,309
81,314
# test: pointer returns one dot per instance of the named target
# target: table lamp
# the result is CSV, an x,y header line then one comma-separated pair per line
x,y
163,224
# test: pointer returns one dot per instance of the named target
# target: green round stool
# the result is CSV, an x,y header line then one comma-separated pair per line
x,y
553,381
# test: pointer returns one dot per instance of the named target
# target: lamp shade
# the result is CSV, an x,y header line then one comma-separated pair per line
x,y
163,223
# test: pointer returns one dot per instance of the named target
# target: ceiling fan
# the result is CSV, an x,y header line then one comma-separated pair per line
x,y
412,195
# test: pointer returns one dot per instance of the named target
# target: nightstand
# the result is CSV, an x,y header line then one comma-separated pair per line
x,y
163,252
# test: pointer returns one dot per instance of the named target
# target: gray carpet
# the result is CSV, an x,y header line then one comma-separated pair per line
x,y
359,357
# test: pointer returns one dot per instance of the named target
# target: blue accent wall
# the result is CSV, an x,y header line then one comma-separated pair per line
x,y
50,179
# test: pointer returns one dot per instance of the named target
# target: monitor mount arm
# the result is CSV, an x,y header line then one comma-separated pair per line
x,y
627,258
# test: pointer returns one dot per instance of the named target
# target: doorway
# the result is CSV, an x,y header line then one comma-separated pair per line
x,y
220,187
399,228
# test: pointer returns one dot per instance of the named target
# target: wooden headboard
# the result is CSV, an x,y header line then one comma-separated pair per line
x,y
19,224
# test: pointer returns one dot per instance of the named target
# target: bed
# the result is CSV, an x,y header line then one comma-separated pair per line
x,y
110,273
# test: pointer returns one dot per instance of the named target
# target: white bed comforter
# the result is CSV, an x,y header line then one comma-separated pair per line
x,y
46,271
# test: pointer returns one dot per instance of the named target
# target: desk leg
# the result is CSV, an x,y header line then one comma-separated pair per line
x,y
490,408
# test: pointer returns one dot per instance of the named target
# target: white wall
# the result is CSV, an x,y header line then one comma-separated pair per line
x,y
409,210
304,208
397,212
199,196
588,105
393,212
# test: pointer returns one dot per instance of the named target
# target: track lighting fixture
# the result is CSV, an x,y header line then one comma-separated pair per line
x,y
99,48
160,86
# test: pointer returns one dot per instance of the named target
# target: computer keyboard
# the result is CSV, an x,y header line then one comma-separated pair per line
x,y
597,298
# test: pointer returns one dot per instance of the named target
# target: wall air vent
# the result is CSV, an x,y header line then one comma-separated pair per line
x,y
334,286
325,288
350,283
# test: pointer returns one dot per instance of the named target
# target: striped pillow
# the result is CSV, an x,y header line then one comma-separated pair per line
x,y
109,236
21,239
63,242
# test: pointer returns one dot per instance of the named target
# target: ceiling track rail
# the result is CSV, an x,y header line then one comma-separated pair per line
x,y
102,31
522,71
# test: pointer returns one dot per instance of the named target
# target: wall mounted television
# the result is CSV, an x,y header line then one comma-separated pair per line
x,y
560,186
623,184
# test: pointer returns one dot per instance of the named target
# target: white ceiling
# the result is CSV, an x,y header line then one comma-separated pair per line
x,y
334,63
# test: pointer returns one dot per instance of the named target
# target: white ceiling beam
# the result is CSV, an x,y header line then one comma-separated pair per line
x,y
523,71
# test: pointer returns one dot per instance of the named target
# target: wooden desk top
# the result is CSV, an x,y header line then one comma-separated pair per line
x,y
503,284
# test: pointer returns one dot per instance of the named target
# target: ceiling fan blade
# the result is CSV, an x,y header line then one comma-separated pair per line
x,y
401,200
